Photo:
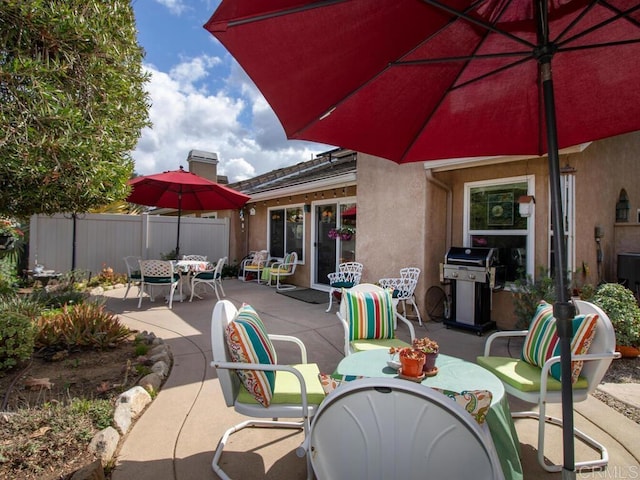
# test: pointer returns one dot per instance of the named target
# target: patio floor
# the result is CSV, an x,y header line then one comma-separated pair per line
x,y
176,436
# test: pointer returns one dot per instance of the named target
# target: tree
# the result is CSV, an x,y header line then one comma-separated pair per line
x,y
72,104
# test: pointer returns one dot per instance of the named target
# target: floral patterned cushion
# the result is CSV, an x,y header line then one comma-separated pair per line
x,y
248,342
476,402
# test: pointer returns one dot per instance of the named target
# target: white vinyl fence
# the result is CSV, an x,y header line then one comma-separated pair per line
x,y
102,240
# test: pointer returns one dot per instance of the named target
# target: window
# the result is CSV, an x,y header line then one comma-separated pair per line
x,y
492,219
286,231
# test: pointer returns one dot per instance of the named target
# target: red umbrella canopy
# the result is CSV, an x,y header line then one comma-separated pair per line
x,y
412,80
184,190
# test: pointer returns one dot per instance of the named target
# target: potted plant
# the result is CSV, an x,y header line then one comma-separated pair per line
x,y
411,361
430,348
344,233
619,303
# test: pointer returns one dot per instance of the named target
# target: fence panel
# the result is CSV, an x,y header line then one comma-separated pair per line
x,y
104,239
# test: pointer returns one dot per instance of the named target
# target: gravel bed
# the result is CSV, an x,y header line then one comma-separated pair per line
x,y
624,370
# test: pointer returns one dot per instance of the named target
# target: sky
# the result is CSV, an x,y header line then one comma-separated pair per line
x,y
201,99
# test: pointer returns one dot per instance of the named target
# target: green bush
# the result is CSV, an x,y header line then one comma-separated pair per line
x,y
84,325
17,337
528,293
619,303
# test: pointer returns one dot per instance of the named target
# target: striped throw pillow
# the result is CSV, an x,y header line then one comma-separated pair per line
x,y
542,341
369,314
248,342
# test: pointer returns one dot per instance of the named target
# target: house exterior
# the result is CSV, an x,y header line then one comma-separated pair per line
x,y
409,215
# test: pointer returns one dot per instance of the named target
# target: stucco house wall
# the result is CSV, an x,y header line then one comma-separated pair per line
x,y
409,215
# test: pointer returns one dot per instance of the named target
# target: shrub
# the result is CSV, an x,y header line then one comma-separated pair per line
x,y
619,303
16,338
528,293
84,325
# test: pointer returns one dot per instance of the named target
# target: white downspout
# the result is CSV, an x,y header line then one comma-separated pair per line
x,y
446,188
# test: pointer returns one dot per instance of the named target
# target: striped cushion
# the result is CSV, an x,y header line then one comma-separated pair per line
x,y
248,342
542,342
369,314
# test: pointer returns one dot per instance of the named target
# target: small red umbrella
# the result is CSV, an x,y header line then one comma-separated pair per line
x,y
183,190
416,80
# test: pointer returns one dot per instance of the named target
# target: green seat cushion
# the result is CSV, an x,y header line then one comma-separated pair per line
x,y
136,275
342,284
161,279
371,344
205,276
522,375
287,387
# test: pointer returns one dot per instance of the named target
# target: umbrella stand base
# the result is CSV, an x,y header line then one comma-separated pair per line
x,y
478,328
590,441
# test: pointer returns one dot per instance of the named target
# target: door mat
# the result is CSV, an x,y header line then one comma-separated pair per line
x,y
308,295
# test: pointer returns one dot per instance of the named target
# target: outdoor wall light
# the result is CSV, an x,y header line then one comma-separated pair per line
x,y
526,204
622,207
252,211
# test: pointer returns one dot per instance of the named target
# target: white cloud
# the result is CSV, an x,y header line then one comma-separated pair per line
x,y
175,6
199,105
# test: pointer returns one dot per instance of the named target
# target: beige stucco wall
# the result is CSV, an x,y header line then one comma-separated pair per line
x,y
392,219
402,215
255,232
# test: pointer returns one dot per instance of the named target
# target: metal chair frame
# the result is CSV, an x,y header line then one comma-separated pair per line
x,y
348,272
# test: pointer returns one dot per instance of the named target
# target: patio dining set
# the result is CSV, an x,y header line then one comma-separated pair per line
x,y
371,403
192,270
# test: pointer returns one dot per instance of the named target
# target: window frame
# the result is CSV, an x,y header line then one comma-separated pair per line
x,y
285,208
529,232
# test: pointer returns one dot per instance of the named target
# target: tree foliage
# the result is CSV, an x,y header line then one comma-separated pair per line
x,y
72,102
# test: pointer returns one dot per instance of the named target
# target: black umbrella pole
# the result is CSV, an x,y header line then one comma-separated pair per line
x,y
563,310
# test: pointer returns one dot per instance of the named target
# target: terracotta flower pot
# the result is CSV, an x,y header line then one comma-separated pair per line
x,y
430,362
412,365
628,352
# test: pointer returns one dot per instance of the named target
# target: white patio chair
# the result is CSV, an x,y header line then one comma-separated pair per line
x,y
158,273
347,276
133,273
382,428
362,333
298,382
404,288
535,384
254,265
211,276
195,258
286,268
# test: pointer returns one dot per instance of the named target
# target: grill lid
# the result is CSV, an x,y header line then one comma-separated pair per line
x,y
471,256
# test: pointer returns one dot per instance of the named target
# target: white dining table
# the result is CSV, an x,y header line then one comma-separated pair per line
x,y
187,268
457,375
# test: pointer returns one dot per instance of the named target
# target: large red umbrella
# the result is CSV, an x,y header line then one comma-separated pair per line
x,y
183,191
415,80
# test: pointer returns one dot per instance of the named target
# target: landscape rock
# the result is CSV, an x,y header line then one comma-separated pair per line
x,y
93,471
161,368
104,444
128,406
161,348
151,382
160,357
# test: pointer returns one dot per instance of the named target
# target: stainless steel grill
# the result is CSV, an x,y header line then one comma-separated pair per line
x,y
473,273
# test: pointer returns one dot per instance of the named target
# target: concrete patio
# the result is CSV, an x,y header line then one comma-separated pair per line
x,y
176,436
